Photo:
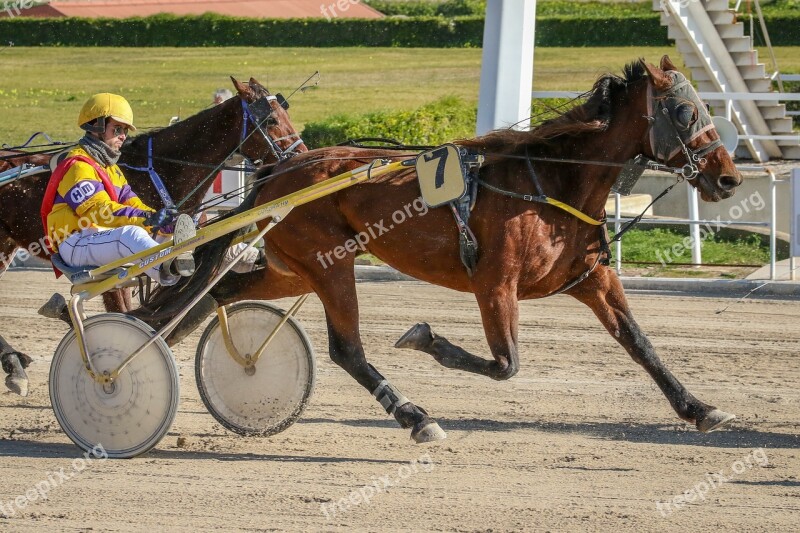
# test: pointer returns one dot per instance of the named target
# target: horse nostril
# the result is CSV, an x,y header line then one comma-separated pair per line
x,y
727,183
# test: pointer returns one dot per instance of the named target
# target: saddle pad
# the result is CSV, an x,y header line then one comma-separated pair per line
x,y
441,175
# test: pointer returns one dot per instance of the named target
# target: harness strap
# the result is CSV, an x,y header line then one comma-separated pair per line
x,y
52,191
532,173
581,278
639,217
154,177
467,242
542,199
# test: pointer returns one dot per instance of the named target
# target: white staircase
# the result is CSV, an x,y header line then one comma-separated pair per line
x,y
721,59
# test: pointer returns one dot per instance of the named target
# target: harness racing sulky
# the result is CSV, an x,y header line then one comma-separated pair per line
x,y
511,215
253,124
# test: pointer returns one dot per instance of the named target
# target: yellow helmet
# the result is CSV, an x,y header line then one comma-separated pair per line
x,y
105,105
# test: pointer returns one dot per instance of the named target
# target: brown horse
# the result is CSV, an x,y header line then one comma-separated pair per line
x,y
527,249
254,123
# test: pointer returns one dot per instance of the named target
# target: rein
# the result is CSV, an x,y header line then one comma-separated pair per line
x,y
27,144
247,117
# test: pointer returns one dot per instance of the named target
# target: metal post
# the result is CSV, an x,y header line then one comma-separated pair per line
x,y
694,229
506,64
794,223
617,228
773,222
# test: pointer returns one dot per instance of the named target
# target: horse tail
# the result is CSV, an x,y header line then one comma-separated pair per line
x,y
167,301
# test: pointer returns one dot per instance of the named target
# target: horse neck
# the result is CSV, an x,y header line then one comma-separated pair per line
x,y
206,138
584,186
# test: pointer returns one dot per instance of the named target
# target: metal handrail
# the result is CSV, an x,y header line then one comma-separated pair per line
x,y
617,220
774,60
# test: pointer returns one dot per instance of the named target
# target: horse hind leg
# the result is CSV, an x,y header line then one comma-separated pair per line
x,y
118,300
337,292
350,356
604,295
499,312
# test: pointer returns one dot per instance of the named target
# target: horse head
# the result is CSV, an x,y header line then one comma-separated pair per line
x,y
275,137
681,133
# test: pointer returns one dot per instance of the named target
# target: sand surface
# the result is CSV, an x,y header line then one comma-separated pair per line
x,y
580,440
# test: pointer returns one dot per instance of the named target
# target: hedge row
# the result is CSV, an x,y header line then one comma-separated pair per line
x,y
423,32
551,8
429,8
435,123
441,121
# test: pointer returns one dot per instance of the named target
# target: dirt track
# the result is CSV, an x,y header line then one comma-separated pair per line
x,y
581,439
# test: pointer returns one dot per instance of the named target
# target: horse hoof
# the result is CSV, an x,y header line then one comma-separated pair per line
x,y
17,381
418,337
54,306
714,420
429,432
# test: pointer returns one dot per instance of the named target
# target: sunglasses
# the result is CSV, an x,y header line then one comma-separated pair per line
x,y
119,130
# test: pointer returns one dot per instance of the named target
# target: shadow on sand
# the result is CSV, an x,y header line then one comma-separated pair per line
x,y
735,437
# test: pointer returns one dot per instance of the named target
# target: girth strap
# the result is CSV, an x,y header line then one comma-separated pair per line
x,y
542,199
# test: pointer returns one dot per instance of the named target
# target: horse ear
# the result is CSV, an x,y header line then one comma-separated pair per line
x,y
661,81
666,64
243,90
255,84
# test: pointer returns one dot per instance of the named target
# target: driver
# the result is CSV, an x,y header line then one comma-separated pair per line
x,y
90,213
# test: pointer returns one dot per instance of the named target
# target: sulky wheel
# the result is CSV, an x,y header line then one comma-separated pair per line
x,y
269,397
129,416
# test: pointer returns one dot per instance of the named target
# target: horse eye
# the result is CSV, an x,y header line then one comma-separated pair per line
x,y
684,115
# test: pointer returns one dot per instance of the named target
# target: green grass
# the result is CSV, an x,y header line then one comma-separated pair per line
x,y
656,245
43,88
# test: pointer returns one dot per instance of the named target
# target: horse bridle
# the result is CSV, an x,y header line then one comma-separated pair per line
x,y
259,113
672,129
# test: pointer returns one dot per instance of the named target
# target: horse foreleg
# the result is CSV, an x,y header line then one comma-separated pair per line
x,y
14,364
604,295
500,315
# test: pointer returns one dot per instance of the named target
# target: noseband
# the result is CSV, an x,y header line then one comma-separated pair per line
x,y
672,129
249,116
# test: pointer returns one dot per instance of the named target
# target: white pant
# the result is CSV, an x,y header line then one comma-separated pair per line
x,y
247,263
91,247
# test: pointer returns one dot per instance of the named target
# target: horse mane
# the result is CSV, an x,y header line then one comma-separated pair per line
x,y
594,115
139,142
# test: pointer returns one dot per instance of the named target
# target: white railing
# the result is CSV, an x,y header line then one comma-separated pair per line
x,y
694,222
